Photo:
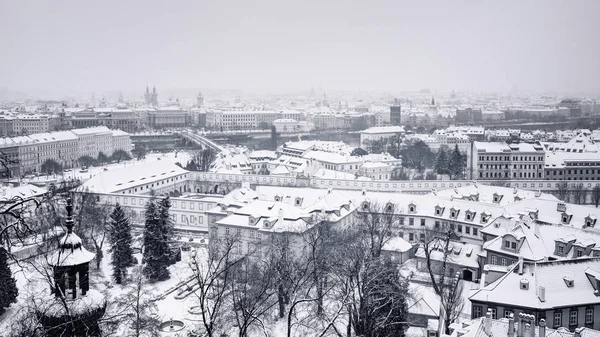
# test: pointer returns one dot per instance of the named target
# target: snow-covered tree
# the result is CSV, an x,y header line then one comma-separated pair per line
x,y
120,239
457,164
8,285
441,162
156,248
165,220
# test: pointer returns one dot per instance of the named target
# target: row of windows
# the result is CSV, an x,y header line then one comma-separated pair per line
x,y
515,158
503,261
557,319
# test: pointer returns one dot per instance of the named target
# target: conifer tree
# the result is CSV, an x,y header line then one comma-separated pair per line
x,y
457,164
120,239
441,162
165,219
156,248
8,285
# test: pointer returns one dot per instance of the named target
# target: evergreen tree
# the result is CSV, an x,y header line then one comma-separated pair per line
x,y
120,239
441,162
165,220
457,164
8,285
156,249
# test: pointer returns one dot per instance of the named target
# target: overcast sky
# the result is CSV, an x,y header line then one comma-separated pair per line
x,y
80,46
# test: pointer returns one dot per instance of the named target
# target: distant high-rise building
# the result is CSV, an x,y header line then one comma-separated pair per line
x,y
151,98
396,113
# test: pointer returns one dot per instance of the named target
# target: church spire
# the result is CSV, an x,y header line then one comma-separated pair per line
x,y
432,100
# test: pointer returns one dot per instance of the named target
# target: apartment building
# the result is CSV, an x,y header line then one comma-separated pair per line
x,y
61,146
246,120
94,140
24,124
502,161
572,165
65,147
562,293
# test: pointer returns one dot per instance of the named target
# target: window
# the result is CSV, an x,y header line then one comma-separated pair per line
x,y
589,315
560,249
474,231
493,313
557,319
507,313
579,253
252,234
459,228
422,222
477,311
422,237
467,230
573,317
437,224
494,260
506,244
411,236
227,231
411,221
504,262
513,245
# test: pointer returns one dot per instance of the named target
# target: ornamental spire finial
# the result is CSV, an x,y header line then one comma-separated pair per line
x,y
69,221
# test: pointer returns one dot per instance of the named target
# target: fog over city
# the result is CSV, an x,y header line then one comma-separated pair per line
x,y
300,168
82,47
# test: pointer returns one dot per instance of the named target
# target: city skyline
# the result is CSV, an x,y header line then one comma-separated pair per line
x,y
271,47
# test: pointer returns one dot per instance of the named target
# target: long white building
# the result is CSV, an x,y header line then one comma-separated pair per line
x,y
28,153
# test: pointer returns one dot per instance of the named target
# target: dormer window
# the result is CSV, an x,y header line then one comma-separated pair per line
x,y
484,217
496,198
569,282
590,221
412,207
561,249
365,206
277,197
454,212
439,210
389,207
470,214
524,284
298,201
566,217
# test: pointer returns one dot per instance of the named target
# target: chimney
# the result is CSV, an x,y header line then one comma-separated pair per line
x,y
542,294
542,329
280,215
487,322
578,332
561,207
511,326
526,326
520,264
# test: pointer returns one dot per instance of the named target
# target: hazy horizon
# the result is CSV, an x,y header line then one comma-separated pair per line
x,y
82,47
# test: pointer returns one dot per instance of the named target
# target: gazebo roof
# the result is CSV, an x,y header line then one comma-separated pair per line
x,y
70,249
